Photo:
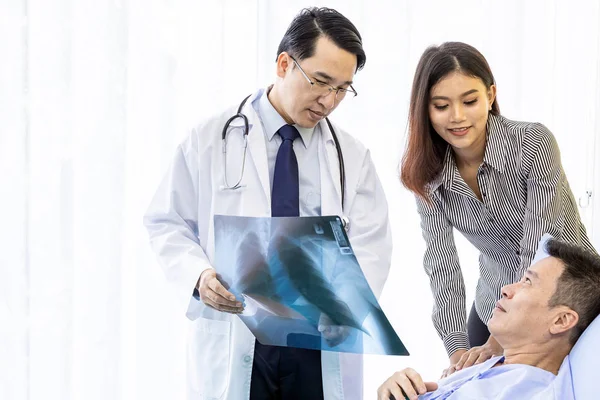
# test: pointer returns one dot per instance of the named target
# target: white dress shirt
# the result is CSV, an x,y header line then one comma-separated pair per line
x,y
306,148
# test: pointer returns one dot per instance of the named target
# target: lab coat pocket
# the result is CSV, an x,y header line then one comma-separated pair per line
x,y
209,363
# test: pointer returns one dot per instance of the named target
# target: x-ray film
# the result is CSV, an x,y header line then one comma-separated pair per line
x,y
301,284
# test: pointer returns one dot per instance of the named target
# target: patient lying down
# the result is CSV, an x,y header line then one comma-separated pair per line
x,y
537,321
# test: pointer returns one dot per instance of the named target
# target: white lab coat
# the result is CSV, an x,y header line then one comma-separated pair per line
x,y
180,224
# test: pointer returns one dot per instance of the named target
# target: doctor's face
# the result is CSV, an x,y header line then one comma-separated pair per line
x,y
305,104
523,315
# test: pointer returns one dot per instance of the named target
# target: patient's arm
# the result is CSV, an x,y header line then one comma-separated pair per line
x,y
406,382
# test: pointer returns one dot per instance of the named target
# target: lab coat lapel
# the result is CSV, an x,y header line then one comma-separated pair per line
x,y
342,372
257,149
330,205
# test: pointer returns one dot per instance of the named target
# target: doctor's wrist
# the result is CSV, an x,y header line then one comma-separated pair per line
x,y
202,274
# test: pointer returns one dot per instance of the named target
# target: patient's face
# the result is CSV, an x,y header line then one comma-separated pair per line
x,y
522,315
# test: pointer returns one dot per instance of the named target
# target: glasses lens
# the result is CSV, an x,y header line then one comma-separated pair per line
x,y
324,89
321,89
341,94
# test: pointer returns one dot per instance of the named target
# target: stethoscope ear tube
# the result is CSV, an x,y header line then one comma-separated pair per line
x,y
338,148
239,114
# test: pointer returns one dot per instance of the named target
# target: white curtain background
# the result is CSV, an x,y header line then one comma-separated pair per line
x,y
96,94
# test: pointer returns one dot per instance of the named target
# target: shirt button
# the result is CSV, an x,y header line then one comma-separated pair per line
x,y
518,252
247,359
483,194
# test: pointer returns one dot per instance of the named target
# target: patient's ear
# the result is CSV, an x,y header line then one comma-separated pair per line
x,y
564,320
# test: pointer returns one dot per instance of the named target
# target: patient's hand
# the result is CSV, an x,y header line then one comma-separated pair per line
x,y
406,382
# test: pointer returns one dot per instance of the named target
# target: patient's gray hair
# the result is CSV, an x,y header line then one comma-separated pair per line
x,y
578,286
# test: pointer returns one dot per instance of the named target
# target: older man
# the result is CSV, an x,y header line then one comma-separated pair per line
x,y
537,321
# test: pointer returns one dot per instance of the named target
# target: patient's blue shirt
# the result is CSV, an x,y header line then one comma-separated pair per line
x,y
504,382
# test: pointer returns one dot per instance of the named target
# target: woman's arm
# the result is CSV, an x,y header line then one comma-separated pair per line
x,y
447,285
545,176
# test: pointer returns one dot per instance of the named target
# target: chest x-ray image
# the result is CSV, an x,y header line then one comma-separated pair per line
x,y
301,284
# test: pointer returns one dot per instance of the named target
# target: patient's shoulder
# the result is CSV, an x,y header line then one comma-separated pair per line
x,y
511,381
471,372
491,380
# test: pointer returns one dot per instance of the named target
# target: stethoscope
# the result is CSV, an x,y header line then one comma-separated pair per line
x,y
246,128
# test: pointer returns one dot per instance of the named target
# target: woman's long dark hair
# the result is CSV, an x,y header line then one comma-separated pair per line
x,y
424,156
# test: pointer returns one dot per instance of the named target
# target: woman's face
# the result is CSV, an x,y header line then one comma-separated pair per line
x,y
458,110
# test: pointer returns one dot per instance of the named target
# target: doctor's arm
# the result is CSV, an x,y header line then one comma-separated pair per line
x,y
369,231
172,224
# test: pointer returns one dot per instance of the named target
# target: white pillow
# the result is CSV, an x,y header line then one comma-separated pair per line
x,y
584,359
585,363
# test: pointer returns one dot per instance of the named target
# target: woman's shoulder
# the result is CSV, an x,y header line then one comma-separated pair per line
x,y
524,133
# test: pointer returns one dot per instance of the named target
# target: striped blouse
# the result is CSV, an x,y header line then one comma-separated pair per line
x,y
525,194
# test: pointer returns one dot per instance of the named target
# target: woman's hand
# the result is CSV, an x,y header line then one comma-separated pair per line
x,y
474,356
454,358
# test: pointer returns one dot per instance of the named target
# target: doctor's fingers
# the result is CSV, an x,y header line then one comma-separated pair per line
x,y
213,289
218,307
220,290
216,300
335,335
213,300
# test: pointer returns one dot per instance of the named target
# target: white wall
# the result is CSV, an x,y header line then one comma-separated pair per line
x,y
97,94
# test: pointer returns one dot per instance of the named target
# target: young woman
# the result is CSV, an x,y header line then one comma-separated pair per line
x,y
499,182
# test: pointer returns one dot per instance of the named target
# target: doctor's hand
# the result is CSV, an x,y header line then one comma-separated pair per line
x,y
333,334
214,294
405,384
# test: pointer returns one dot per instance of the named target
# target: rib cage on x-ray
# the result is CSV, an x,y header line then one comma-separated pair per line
x,y
293,272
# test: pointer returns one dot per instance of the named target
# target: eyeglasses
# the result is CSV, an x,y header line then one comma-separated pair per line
x,y
323,88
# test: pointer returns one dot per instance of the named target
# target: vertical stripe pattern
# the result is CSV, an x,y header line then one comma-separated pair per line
x,y
524,194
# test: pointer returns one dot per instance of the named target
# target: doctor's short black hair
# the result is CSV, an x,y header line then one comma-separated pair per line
x,y
578,287
312,23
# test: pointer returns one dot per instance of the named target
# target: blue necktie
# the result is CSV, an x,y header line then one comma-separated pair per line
x,y
286,187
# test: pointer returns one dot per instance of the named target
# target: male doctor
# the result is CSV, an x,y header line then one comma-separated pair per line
x,y
291,169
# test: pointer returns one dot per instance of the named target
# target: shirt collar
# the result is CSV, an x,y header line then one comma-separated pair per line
x,y
272,121
446,176
495,149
